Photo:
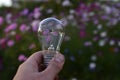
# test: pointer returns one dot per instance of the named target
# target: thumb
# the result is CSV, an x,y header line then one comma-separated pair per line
x,y
54,66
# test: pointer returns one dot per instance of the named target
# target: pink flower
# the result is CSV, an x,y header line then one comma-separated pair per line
x,y
3,42
22,57
17,37
12,26
23,28
1,20
10,43
82,33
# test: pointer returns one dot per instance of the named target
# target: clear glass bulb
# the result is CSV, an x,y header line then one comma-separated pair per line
x,y
50,34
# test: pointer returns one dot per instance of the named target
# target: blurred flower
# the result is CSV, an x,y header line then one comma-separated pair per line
x,y
2,40
37,13
48,38
1,20
103,34
37,9
107,9
66,3
22,57
12,33
118,43
93,57
24,12
23,27
116,49
112,42
64,21
72,58
92,66
10,43
35,25
17,37
73,79
82,33
3,43
101,43
12,26
95,31
49,11
99,27
67,38
32,46
96,38
46,32
8,18
87,43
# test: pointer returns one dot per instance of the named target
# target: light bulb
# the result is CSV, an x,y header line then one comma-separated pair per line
x,y
50,34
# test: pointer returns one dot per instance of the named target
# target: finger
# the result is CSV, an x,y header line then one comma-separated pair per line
x,y
54,66
34,61
56,78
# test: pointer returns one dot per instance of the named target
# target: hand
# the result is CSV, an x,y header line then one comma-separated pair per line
x,y
29,70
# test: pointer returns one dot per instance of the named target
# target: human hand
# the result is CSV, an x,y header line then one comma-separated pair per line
x,y
29,70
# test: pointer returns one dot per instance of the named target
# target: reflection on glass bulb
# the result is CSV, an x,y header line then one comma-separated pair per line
x,y
50,34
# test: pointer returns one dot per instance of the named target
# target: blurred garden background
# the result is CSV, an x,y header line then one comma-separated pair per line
x,y
91,45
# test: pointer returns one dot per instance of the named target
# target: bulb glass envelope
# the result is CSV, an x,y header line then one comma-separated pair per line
x,y
50,34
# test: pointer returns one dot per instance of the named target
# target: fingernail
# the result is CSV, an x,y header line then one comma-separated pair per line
x,y
59,58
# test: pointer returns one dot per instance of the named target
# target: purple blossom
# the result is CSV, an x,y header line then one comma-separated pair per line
x,y
48,38
37,13
82,33
87,43
8,17
23,27
116,49
24,12
10,43
22,57
37,9
1,20
32,46
12,26
35,25
46,32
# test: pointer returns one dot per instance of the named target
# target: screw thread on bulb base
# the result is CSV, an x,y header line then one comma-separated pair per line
x,y
49,55
47,58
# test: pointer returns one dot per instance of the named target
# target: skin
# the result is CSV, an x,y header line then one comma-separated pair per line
x,y
31,70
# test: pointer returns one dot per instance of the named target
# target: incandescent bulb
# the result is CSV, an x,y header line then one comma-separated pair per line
x,y
50,34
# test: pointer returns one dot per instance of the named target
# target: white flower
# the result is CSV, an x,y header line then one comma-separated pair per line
x,y
99,27
66,3
92,65
112,42
101,43
119,43
93,57
103,34
74,79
